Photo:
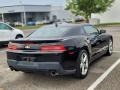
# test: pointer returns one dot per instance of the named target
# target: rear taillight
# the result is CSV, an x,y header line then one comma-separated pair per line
x,y
53,48
12,47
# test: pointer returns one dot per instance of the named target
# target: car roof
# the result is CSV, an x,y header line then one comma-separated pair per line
x,y
69,24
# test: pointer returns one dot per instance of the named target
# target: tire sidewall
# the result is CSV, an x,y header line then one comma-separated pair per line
x,y
78,73
108,52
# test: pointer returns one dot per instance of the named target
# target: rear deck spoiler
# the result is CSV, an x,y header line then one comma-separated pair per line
x,y
36,41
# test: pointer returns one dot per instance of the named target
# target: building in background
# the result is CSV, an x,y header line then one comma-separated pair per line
x,y
61,13
24,14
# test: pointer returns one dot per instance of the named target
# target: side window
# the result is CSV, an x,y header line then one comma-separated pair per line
x,y
82,31
4,27
90,29
75,31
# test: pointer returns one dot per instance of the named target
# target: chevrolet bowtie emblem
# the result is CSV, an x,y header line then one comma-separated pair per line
x,y
27,47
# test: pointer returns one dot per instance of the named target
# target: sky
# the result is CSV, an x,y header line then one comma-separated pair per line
x,y
33,2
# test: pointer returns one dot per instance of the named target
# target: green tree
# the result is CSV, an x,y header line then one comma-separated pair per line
x,y
87,7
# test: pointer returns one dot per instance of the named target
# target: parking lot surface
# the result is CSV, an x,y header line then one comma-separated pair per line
x,y
11,80
112,82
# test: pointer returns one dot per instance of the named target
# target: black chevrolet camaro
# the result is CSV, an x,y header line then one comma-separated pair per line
x,y
59,49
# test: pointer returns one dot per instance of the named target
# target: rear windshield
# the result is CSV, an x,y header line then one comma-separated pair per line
x,y
50,31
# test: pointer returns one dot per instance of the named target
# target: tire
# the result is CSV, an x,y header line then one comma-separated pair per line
x,y
82,65
110,48
18,36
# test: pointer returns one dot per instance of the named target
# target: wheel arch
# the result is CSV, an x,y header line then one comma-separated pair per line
x,y
111,38
19,35
87,49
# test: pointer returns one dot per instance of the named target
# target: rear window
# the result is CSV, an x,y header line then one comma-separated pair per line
x,y
50,31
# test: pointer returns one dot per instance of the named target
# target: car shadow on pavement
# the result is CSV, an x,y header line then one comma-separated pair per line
x,y
97,60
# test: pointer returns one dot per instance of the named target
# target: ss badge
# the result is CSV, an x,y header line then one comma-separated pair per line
x,y
27,47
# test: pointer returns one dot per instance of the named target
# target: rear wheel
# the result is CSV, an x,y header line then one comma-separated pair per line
x,y
110,48
82,66
18,36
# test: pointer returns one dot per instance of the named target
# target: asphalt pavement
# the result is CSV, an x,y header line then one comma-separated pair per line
x,y
11,80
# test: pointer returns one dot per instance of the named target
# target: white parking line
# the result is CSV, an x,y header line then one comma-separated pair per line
x,y
103,76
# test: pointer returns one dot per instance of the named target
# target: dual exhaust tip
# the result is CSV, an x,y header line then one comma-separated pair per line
x,y
52,73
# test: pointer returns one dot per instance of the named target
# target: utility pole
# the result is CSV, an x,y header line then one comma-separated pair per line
x,y
24,13
3,17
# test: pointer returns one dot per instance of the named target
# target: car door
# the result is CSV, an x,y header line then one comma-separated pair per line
x,y
5,32
97,40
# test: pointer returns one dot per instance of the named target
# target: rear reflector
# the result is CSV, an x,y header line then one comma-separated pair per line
x,y
12,47
53,48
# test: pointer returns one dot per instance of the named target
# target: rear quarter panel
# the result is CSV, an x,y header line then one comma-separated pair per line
x,y
78,41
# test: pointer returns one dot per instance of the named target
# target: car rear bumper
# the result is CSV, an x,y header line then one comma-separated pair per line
x,y
40,61
38,66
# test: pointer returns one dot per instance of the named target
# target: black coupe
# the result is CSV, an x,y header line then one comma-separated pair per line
x,y
59,49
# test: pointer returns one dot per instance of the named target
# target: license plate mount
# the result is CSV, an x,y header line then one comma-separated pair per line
x,y
28,59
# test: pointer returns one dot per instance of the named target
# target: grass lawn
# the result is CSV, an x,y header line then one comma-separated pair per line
x,y
108,24
28,27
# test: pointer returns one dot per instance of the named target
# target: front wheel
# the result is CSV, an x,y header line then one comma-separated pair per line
x,y
82,66
110,48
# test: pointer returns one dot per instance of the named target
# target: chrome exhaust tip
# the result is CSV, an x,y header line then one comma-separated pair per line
x,y
53,73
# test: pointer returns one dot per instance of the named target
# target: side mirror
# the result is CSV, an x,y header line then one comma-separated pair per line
x,y
102,31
